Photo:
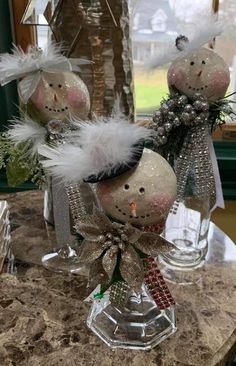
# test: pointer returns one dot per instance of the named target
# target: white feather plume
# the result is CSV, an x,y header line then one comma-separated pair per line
x,y
203,32
100,146
19,63
26,130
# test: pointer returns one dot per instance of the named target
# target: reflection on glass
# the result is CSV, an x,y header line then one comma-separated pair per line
x,y
39,12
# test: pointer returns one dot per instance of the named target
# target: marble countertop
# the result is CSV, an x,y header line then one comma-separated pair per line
x,y
43,315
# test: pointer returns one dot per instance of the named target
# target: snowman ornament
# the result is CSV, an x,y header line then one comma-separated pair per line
x,y
201,71
49,89
133,184
143,195
58,96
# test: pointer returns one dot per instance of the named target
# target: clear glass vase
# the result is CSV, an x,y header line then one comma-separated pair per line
x,y
63,208
187,227
140,324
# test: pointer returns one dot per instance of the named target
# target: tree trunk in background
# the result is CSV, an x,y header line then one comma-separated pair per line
x,y
99,31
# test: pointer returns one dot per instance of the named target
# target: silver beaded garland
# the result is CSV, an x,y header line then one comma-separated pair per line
x,y
168,127
176,111
197,105
182,100
161,131
188,108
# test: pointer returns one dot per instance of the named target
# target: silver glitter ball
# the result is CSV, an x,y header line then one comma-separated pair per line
x,y
168,127
204,116
157,116
164,108
163,140
182,100
116,239
109,235
205,106
193,115
161,131
171,103
176,121
185,118
198,120
197,105
188,108
101,239
171,116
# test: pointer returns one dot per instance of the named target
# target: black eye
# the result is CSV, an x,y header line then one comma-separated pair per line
x,y
191,63
141,190
203,62
51,85
126,187
59,86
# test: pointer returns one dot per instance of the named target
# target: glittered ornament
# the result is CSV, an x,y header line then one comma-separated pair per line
x,y
48,87
59,96
198,79
202,71
134,187
143,195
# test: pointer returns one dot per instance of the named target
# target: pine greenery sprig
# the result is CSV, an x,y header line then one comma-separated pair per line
x,y
20,164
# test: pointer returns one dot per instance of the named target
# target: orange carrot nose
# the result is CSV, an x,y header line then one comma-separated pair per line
x,y
133,207
55,98
200,73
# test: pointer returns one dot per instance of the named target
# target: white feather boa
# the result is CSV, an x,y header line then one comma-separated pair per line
x,y
97,146
25,130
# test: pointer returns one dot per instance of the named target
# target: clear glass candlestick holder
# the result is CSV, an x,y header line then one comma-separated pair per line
x,y
140,324
187,228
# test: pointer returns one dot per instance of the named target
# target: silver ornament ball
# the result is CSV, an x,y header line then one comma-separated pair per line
x,y
197,105
182,100
185,118
177,121
168,127
161,131
164,108
188,108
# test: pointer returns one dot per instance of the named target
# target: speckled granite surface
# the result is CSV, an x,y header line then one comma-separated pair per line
x,y
43,316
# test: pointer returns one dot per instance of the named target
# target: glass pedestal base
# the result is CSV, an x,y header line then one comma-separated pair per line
x,y
139,325
63,260
185,256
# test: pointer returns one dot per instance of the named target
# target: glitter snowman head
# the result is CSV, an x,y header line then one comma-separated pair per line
x,y
142,196
59,96
133,184
200,71
48,89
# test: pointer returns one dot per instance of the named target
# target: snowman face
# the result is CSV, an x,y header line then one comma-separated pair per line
x,y
61,96
201,71
150,188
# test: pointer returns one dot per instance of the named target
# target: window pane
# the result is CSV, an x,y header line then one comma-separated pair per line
x,y
156,24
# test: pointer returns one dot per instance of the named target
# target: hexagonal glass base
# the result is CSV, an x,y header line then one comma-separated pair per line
x,y
139,325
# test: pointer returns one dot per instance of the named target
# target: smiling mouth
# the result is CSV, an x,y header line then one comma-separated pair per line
x,y
195,89
130,216
56,110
